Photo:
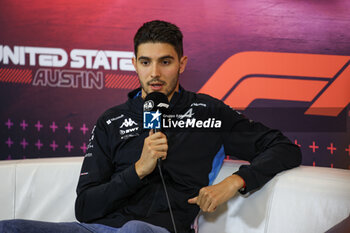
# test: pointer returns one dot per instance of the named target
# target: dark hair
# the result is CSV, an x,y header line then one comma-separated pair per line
x,y
159,31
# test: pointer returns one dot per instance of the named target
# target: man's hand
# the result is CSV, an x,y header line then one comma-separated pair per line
x,y
155,146
211,197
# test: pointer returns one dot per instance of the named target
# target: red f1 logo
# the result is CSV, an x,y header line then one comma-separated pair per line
x,y
322,80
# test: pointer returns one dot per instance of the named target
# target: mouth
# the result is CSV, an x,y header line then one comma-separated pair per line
x,y
156,86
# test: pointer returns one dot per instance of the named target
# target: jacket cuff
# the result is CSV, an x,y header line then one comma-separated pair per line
x,y
131,178
249,178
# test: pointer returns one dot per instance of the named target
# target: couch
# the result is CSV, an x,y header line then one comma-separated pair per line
x,y
302,200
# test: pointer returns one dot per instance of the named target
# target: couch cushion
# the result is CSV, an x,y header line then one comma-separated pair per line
x,y
7,189
304,200
45,189
310,199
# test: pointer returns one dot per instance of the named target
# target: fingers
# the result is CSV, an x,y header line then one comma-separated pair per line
x,y
157,145
159,155
204,200
212,208
156,135
159,151
193,200
159,141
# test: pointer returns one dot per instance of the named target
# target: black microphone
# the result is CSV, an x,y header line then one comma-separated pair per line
x,y
156,104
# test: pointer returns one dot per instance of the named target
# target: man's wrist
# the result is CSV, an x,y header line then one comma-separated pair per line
x,y
237,182
138,170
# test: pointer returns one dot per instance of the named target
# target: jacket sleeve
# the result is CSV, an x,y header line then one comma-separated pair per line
x,y
100,189
268,151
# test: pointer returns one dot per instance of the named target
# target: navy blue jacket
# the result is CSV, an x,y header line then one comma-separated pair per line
x,y
110,192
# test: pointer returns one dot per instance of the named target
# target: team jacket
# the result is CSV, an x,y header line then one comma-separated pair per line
x,y
109,191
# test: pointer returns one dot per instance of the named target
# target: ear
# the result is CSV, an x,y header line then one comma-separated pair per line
x,y
134,63
183,63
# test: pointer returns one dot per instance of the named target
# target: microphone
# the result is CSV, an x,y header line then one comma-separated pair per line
x,y
156,104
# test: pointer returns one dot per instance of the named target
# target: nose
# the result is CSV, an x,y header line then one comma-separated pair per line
x,y
155,71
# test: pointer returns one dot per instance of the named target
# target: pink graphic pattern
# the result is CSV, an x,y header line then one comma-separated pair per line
x,y
12,142
24,125
84,129
24,143
9,142
83,147
38,144
53,145
9,124
331,148
68,127
38,126
53,126
69,146
313,147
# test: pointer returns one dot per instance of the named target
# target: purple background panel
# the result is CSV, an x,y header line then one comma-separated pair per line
x,y
213,32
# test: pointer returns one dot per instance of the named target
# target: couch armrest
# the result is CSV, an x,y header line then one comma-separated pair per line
x,y
40,189
304,200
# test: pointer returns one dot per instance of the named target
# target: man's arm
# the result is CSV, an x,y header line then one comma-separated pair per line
x,y
101,189
154,147
212,196
268,151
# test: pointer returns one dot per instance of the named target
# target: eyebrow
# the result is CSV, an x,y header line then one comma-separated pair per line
x,y
161,58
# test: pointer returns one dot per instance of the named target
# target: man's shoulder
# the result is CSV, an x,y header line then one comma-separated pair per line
x,y
200,97
114,113
213,103
130,104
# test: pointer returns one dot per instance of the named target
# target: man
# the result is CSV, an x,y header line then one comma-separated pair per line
x,y
120,189
120,182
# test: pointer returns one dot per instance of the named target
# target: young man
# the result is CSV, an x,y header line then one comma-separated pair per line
x,y
120,189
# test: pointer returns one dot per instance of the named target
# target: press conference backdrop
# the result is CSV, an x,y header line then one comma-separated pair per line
x,y
281,62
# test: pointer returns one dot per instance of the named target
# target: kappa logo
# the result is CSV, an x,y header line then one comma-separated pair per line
x,y
128,123
321,80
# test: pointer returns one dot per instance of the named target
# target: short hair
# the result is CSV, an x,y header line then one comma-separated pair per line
x,y
159,31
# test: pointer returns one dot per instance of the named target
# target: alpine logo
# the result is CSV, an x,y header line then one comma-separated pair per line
x,y
128,123
188,114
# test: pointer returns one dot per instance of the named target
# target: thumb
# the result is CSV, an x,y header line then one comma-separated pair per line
x,y
193,200
151,132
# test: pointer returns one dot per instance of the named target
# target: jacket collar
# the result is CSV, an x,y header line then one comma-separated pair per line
x,y
135,100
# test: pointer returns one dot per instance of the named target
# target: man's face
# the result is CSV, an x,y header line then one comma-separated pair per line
x,y
158,68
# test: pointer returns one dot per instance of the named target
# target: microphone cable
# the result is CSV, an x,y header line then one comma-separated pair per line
x,y
159,103
166,193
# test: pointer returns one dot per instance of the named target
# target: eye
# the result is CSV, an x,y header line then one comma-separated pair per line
x,y
144,62
166,62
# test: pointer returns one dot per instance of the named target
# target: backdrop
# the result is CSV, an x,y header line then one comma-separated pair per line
x,y
281,62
